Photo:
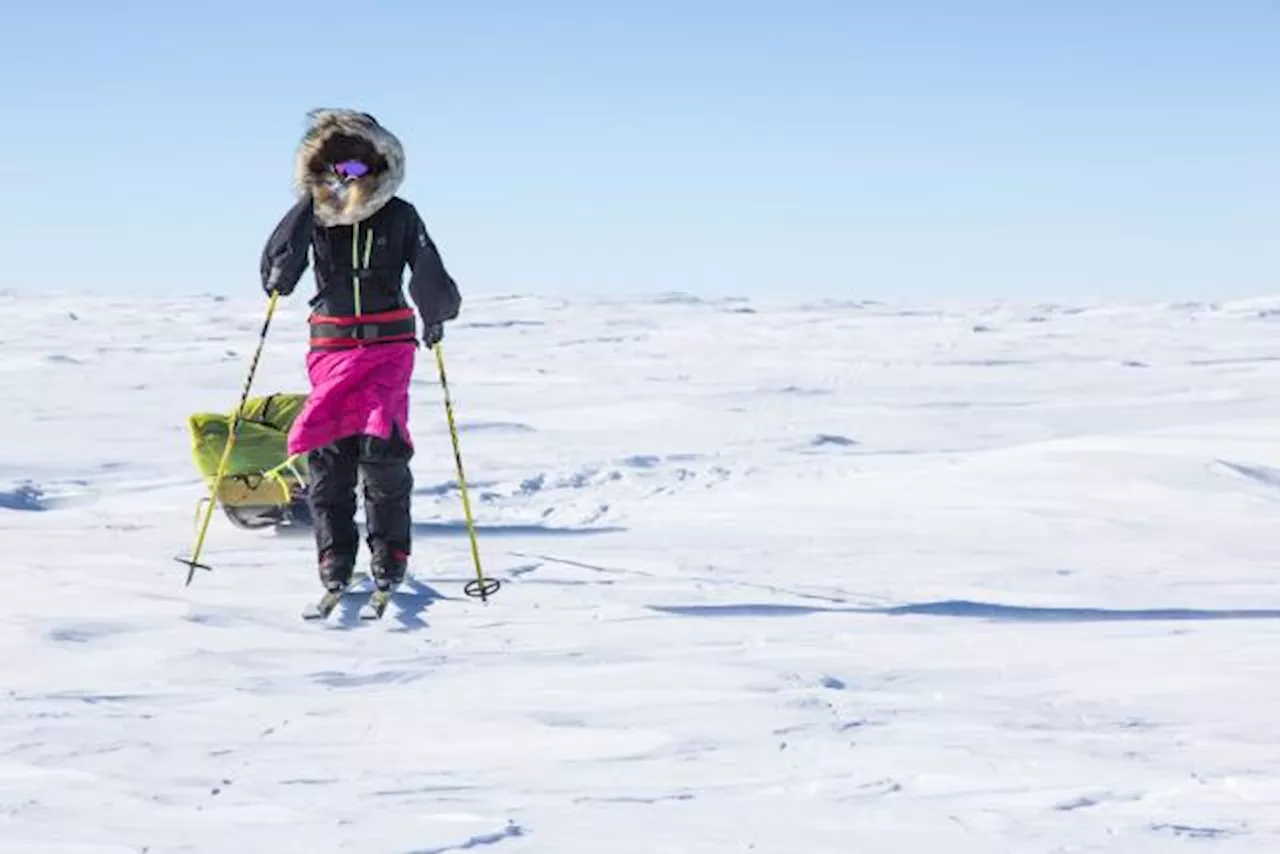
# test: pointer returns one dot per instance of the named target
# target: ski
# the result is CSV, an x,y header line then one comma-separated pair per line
x,y
377,604
324,606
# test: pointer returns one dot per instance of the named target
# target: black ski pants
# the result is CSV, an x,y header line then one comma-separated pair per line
x,y
383,468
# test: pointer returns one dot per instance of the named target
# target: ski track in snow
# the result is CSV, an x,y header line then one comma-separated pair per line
x,y
832,577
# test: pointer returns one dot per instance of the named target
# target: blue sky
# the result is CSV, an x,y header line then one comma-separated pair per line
x,y
854,149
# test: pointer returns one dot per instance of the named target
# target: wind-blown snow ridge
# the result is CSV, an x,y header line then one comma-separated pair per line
x,y
511,831
977,610
24,496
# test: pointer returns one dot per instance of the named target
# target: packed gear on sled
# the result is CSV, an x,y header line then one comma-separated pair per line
x,y
263,486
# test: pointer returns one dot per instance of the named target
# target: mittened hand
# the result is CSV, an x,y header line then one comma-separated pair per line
x,y
272,281
432,334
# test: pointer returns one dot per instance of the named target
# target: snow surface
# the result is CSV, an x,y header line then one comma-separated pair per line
x,y
796,578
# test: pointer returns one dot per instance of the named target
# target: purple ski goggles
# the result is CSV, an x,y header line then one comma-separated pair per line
x,y
350,169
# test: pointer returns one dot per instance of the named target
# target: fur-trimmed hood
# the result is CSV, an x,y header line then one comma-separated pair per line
x,y
334,135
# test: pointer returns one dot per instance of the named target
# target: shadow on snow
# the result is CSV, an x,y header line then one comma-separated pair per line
x,y
436,529
408,604
965,609
511,831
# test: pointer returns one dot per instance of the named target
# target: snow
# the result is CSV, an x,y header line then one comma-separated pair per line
x,y
778,577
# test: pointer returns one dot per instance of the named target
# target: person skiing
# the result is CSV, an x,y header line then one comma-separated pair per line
x,y
363,334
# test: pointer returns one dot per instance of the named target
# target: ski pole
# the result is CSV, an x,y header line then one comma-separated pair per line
x,y
481,587
193,563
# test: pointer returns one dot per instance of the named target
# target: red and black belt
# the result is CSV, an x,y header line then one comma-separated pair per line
x,y
360,330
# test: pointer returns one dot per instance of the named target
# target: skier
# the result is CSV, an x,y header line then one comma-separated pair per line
x,y
363,334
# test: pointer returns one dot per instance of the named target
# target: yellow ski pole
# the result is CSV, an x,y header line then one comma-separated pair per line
x,y
481,587
193,563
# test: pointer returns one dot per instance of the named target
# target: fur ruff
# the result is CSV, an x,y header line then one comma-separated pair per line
x,y
337,134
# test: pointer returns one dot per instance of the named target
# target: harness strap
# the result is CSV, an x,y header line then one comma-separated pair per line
x,y
347,343
389,316
379,327
277,474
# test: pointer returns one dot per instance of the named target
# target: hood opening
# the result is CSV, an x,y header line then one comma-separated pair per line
x,y
337,135
343,147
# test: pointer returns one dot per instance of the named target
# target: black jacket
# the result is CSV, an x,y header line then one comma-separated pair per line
x,y
391,238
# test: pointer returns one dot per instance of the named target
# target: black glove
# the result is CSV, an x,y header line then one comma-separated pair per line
x,y
432,334
271,282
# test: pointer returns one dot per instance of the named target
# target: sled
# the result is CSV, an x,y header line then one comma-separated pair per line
x,y
263,487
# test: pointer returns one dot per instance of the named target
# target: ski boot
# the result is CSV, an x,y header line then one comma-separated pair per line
x,y
388,565
336,569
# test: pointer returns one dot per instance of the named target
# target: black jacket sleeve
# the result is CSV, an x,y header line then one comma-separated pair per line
x,y
432,288
284,258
